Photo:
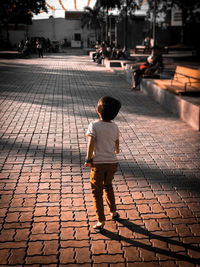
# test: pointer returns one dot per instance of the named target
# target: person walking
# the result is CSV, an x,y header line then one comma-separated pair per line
x,y
39,48
103,145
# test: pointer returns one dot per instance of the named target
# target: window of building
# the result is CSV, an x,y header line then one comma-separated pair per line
x,y
77,37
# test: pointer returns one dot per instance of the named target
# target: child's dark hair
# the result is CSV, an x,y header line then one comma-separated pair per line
x,y
108,107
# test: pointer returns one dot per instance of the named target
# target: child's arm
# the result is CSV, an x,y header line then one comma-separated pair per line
x,y
90,149
117,146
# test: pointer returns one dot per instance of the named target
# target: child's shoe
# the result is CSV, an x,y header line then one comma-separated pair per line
x,y
115,215
99,226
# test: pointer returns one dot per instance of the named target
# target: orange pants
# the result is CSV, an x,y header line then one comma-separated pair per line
x,y
101,177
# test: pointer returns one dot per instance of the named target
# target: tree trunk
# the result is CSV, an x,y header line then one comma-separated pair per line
x,y
182,33
125,28
7,35
106,25
95,33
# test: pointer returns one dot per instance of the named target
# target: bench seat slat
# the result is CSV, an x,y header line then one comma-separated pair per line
x,y
190,78
176,87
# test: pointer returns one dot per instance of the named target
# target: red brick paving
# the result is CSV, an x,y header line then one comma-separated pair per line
x,y
46,211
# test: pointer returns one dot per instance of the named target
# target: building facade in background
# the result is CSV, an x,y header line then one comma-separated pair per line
x,y
56,29
70,29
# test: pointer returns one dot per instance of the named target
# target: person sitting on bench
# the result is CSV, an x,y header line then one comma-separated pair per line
x,y
103,52
120,53
153,63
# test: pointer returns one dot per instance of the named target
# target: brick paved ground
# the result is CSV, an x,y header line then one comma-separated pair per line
x,y
46,212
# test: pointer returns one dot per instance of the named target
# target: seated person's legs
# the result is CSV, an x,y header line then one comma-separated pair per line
x,y
137,74
94,56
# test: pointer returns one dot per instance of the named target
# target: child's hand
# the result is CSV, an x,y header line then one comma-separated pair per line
x,y
88,164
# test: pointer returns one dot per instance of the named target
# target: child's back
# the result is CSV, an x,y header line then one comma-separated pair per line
x,y
106,134
103,145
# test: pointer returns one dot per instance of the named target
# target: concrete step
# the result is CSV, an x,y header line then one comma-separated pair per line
x,y
186,108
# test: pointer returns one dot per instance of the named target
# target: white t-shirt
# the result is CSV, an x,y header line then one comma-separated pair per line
x,y
105,134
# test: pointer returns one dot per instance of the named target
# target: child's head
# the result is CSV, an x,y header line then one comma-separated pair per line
x,y
108,108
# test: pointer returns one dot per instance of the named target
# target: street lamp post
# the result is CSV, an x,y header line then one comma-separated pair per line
x,y
52,19
125,24
116,32
154,24
107,24
110,26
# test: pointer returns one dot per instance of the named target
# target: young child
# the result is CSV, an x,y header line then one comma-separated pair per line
x,y
103,145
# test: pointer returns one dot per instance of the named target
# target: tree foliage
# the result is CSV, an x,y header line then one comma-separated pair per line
x,y
107,4
190,13
20,11
93,18
188,8
130,5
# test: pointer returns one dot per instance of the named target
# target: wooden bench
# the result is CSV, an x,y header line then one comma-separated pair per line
x,y
185,81
142,49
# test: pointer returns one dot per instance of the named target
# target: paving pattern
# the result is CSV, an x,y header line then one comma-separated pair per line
x,y
46,211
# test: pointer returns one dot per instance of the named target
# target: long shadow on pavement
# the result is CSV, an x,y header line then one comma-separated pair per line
x,y
138,229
